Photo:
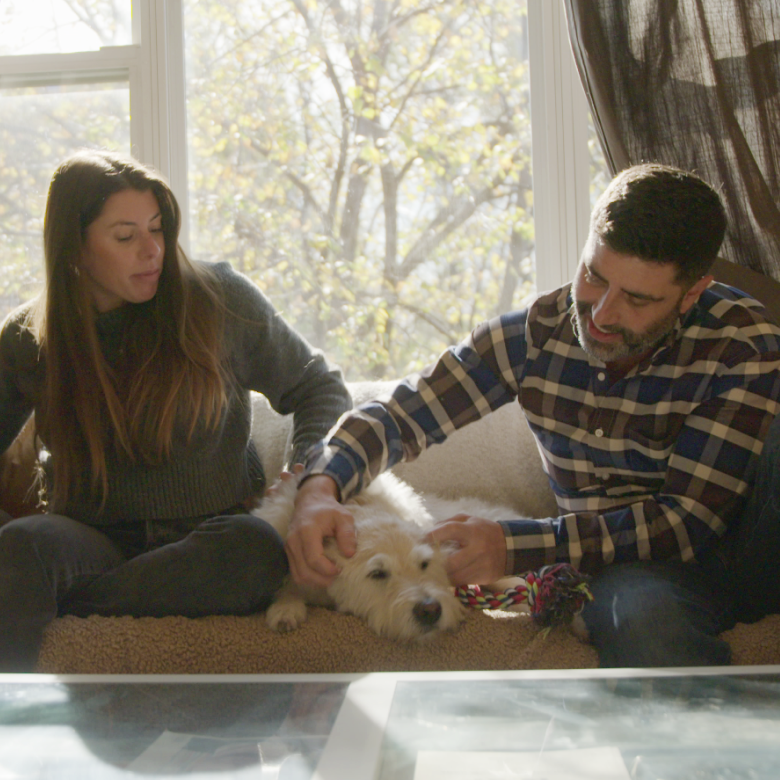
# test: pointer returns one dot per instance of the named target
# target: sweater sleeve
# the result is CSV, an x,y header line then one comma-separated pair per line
x,y
267,355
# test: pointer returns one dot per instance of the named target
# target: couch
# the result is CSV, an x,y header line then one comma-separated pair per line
x,y
495,459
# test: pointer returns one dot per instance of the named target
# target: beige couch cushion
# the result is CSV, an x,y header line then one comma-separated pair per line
x,y
494,459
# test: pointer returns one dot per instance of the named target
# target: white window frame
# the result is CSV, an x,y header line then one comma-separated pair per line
x,y
38,70
560,157
158,32
154,64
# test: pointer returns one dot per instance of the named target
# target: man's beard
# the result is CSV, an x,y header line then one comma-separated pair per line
x,y
631,344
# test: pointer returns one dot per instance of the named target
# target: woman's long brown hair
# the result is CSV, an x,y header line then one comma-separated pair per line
x,y
171,376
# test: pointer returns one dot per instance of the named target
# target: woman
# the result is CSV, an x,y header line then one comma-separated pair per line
x,y
138,365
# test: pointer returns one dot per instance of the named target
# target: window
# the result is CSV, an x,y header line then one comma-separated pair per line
x,y
41,121
371,172
76,73
382,178
52,102
58,26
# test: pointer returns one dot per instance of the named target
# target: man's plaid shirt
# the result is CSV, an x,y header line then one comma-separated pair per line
x,y
652,466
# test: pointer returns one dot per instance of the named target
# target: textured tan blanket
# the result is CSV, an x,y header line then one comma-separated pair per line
x,y
330,642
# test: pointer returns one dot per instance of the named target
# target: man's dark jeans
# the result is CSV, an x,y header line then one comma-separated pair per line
x,y
670,614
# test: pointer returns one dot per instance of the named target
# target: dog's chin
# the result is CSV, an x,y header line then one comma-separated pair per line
x,y
412,633
403,626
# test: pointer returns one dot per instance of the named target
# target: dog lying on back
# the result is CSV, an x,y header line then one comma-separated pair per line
x,y
396,581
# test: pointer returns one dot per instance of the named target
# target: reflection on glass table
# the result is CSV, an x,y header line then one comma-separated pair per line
x,y
64,730
588,724
687,727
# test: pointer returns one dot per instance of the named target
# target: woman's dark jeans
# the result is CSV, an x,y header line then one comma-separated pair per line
x,y
670,614
52,565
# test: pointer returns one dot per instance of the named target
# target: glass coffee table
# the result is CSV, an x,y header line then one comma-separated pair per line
x,y
715,724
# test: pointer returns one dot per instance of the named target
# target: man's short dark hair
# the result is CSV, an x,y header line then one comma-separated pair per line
x,y
664,215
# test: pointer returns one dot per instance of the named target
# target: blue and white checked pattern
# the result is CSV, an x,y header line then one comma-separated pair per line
x,y
649,466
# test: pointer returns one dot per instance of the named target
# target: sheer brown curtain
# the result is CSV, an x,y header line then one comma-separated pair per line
x,y
692,83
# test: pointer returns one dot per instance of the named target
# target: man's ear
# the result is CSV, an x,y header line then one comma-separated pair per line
x,y
694,292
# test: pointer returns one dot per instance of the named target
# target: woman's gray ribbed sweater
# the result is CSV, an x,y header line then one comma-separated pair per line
x,y
217,469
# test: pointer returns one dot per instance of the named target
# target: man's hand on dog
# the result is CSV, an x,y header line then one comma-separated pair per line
x,y
480,554
318,515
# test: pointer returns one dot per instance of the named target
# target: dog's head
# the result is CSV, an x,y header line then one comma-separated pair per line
x,y
396,581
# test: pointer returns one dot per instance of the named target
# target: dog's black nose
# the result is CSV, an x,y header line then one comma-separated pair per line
x,y
427,612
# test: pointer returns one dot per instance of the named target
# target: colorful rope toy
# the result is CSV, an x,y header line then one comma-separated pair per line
x,y
555,594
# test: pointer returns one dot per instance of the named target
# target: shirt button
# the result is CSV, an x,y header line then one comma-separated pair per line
x,y
599,432
602,376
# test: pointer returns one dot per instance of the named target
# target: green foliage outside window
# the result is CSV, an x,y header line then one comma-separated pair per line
x,y
39,127
367,164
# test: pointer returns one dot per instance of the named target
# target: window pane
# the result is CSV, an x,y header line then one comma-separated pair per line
x,y
57,26
39,127
367,164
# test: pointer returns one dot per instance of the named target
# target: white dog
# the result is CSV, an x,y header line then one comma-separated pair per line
x,y
396,581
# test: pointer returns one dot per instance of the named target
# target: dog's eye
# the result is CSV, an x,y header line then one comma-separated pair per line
x,y
424,565
379,574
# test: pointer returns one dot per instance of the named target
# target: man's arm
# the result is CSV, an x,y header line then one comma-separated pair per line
x,y
688,515
467,382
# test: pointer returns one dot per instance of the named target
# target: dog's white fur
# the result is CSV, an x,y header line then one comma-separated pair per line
x,y
396,581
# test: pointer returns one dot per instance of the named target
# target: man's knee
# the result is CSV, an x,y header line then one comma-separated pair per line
x,y
648,615
628,610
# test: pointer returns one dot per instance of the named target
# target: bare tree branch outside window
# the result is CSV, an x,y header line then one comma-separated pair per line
x,y
367,164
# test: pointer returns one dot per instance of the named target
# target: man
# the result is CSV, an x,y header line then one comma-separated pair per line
x,y
649,390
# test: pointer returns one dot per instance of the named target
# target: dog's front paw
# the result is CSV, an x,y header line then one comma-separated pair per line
x,y
286,614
